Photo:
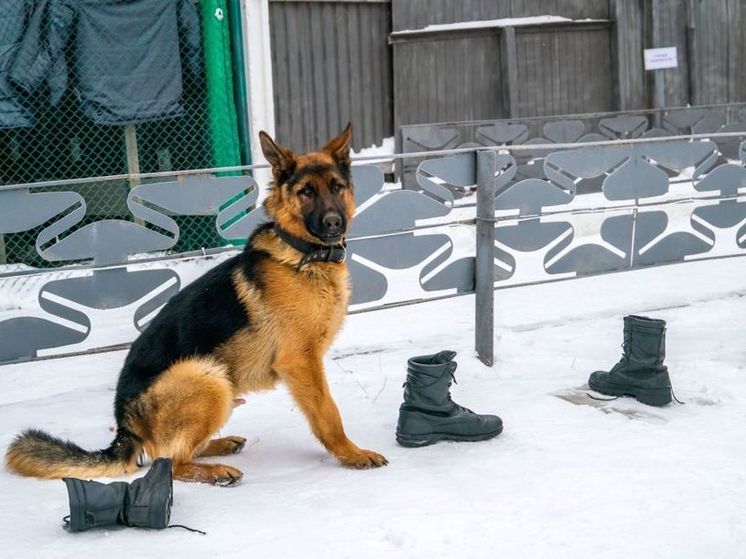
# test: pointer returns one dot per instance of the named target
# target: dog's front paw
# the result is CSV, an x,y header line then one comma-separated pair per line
x,y
226,476
365,459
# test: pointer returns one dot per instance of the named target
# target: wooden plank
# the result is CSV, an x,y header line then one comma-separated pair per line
x,y
133,159
331,65
712,50
366,91
385,77
307,45
357,64
692,52
659,77
509,59
672,33
628,41
331,1
736,51
133,156
279,68
466,89
616,57
344,101
319,124
415,14
374,89
525,8
561,72
332,116
484,280
492,26
579,9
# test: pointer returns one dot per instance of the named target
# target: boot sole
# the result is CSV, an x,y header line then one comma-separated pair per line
x,y
650,396
416,441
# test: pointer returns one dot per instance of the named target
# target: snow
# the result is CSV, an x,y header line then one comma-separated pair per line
x,y
385,149
569,477
377,154
492,23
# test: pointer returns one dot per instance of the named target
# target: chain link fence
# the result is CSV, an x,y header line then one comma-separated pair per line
x,y
95,88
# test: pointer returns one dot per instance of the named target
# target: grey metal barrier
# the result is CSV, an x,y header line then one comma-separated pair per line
x,y
660,202
92,284
471,226
564,129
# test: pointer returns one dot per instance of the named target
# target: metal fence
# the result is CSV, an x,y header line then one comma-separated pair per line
x,y
662,201
99,88
471,226
579,128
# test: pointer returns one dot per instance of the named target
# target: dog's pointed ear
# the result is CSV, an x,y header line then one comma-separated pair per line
x,y
281,158
339,147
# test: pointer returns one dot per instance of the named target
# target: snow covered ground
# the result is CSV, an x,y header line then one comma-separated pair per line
x,y
565,479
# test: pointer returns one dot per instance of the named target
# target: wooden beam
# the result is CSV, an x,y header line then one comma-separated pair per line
x,y
489,27
133,159
659,76
509,72
692,53
333,1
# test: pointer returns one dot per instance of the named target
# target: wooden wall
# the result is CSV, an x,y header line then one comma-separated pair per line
x,y
331,64
335,61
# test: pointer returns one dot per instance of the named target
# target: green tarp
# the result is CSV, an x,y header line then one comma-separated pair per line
x,y
221,107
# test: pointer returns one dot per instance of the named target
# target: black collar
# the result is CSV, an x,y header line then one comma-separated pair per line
x,y
313,252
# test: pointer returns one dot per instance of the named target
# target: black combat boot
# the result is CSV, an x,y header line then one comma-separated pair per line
x,y
428,414
640,372
145,503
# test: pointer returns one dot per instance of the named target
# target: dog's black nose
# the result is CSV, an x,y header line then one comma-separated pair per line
x,y
332,224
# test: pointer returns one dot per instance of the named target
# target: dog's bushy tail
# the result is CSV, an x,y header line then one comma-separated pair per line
x,y
35,453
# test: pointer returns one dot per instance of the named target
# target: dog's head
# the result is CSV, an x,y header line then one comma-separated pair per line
x,y
312,195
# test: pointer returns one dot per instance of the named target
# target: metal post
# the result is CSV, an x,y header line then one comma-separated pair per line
x,y
485,262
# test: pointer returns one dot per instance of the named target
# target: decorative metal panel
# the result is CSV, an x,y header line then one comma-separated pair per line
x,y
656,203
568,129
106,292
660,203
56,309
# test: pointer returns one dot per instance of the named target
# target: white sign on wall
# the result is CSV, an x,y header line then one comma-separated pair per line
x,y
658,59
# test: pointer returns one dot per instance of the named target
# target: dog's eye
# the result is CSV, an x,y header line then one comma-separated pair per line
x,y
306,191
337,187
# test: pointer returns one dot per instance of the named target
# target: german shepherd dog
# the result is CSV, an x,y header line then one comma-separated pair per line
x,y
266,315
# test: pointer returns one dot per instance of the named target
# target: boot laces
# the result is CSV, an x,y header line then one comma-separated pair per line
x,y
626,346
626,351
457,406
448,395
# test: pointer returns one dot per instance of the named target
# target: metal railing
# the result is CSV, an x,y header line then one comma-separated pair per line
x,y
471,226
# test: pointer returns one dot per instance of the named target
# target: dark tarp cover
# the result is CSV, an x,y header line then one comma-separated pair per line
x,y
127,55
